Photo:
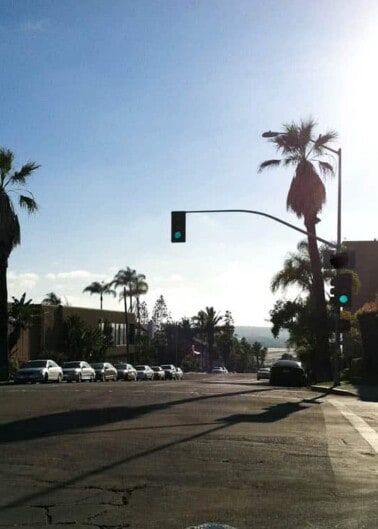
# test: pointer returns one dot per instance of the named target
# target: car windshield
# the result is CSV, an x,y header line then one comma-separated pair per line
x,y
97,366
71,364
35,363
120,366
140,368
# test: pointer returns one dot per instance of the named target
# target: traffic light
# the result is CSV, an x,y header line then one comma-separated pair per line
x,y
339,260
341,290
178,226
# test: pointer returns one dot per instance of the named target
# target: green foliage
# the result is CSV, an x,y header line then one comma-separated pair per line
x,y
298,318
86,342
52,299
20,315
191,362
160,313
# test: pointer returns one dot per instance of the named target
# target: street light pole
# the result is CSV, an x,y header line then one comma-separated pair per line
x,y
271,134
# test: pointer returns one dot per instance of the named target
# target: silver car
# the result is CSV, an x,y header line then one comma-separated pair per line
x,y
78,371
179,373
39,371
159,373
144,372
125,371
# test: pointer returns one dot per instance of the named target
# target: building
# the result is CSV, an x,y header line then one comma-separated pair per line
x,y
366,266
45,335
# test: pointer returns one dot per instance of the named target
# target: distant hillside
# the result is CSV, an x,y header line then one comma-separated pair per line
x,y
262,335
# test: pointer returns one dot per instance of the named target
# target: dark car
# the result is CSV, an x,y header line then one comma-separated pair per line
x,y
287,373
105,371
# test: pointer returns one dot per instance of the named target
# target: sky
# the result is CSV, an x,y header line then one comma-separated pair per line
x,y
134,109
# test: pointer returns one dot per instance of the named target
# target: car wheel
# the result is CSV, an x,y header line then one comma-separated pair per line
x,y
59,378
46,378
103,378
80,379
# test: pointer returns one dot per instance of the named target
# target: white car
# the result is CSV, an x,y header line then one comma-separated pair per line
x,y
79,371
219,370
39,371
144,372
179,373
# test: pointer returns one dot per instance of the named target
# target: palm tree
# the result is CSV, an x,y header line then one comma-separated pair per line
x,y
100,288
52,299
306,198
297,270
11,181
207,320
139,287
124,279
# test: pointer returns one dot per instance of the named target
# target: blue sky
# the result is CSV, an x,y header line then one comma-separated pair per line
x,y
137,108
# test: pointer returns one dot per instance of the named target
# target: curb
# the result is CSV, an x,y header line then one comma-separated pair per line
x,y
336,391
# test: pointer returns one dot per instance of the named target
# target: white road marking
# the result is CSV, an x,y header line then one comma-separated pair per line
x,y
362,427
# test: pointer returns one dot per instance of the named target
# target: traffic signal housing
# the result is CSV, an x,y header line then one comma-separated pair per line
x,y
339,260
341,290
178,226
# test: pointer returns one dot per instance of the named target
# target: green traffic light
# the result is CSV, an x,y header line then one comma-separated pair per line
x,y
177,235
343,299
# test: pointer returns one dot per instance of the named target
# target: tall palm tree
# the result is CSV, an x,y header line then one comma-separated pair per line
x,y
11,181
52,299
306,197
207,321
100,288
124,279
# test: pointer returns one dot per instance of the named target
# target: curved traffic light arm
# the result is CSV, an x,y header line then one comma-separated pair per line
x,y
333,245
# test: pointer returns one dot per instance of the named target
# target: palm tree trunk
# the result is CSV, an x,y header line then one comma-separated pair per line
x,y
101,300
4,361
321,361
126,323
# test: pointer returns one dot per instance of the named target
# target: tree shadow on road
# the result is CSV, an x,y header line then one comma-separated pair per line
x,y
274,413
62,422
103,416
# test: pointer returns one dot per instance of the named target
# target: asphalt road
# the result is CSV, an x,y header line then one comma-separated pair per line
x,y
172,455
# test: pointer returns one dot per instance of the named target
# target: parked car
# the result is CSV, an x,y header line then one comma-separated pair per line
x,y
125,371
144,372
179,373
39,371
159,373
170,371
287,373
104,371
219,370
79,371
263,373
